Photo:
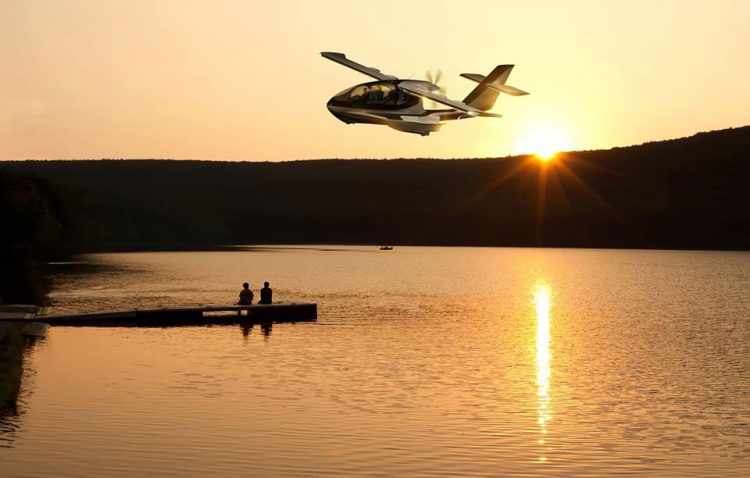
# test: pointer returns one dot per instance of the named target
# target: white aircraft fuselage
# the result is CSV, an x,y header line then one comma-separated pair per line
x,y
383,102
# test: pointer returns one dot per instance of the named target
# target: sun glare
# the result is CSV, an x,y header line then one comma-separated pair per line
x,y
543,142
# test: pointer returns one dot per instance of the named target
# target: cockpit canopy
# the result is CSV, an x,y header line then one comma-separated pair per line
x,y
376,95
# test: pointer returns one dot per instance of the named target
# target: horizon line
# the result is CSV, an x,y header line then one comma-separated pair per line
x,y
511,156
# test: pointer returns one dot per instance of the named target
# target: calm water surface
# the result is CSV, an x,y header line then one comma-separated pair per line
x,y
424,362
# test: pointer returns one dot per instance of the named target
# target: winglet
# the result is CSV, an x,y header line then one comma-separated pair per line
x,y
332,55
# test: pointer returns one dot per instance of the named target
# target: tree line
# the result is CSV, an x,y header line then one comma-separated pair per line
x,y
684,193
35,230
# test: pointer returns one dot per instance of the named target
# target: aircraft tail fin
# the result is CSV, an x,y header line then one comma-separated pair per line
x,y
483,97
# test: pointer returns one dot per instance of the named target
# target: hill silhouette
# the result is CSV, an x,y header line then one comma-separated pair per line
x,y
683,193
34,230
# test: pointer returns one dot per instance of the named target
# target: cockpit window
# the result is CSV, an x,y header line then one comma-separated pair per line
x,y
378,95
358,93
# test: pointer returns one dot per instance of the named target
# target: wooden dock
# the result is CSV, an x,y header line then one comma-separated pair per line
x,y
18,311
199,315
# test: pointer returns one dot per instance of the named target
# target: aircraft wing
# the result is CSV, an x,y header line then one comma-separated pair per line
x,y
341,59
420,89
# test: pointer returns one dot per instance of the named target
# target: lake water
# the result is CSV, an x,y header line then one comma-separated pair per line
x,y
423,362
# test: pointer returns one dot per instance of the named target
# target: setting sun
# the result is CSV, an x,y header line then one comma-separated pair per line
x,y
543,142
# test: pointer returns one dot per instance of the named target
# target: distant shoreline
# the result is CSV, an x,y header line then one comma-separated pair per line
x,y
681,194
374,246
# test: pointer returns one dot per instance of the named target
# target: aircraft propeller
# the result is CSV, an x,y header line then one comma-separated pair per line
x,y
434,77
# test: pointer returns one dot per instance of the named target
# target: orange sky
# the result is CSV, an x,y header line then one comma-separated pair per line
x,y
243,80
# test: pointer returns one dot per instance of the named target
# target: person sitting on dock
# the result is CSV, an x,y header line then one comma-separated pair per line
x,y
246,295
266,294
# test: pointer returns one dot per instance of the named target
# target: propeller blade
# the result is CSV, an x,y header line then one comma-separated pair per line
x,y
434,77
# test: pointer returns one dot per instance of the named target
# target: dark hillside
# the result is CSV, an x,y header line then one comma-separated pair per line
x,y
685,193
35,229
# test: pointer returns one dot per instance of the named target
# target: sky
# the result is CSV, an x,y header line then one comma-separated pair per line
x,y
244,80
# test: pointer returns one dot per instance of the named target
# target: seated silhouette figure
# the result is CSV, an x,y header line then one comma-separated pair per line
x,y
266,294
246,296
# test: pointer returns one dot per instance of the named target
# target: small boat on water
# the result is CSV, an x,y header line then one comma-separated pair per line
x,y
386,248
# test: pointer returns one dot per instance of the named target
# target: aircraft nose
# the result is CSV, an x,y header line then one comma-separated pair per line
x,y
337,113
330,105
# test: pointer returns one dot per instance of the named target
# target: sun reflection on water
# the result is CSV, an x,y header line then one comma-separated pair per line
x,y
543,303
